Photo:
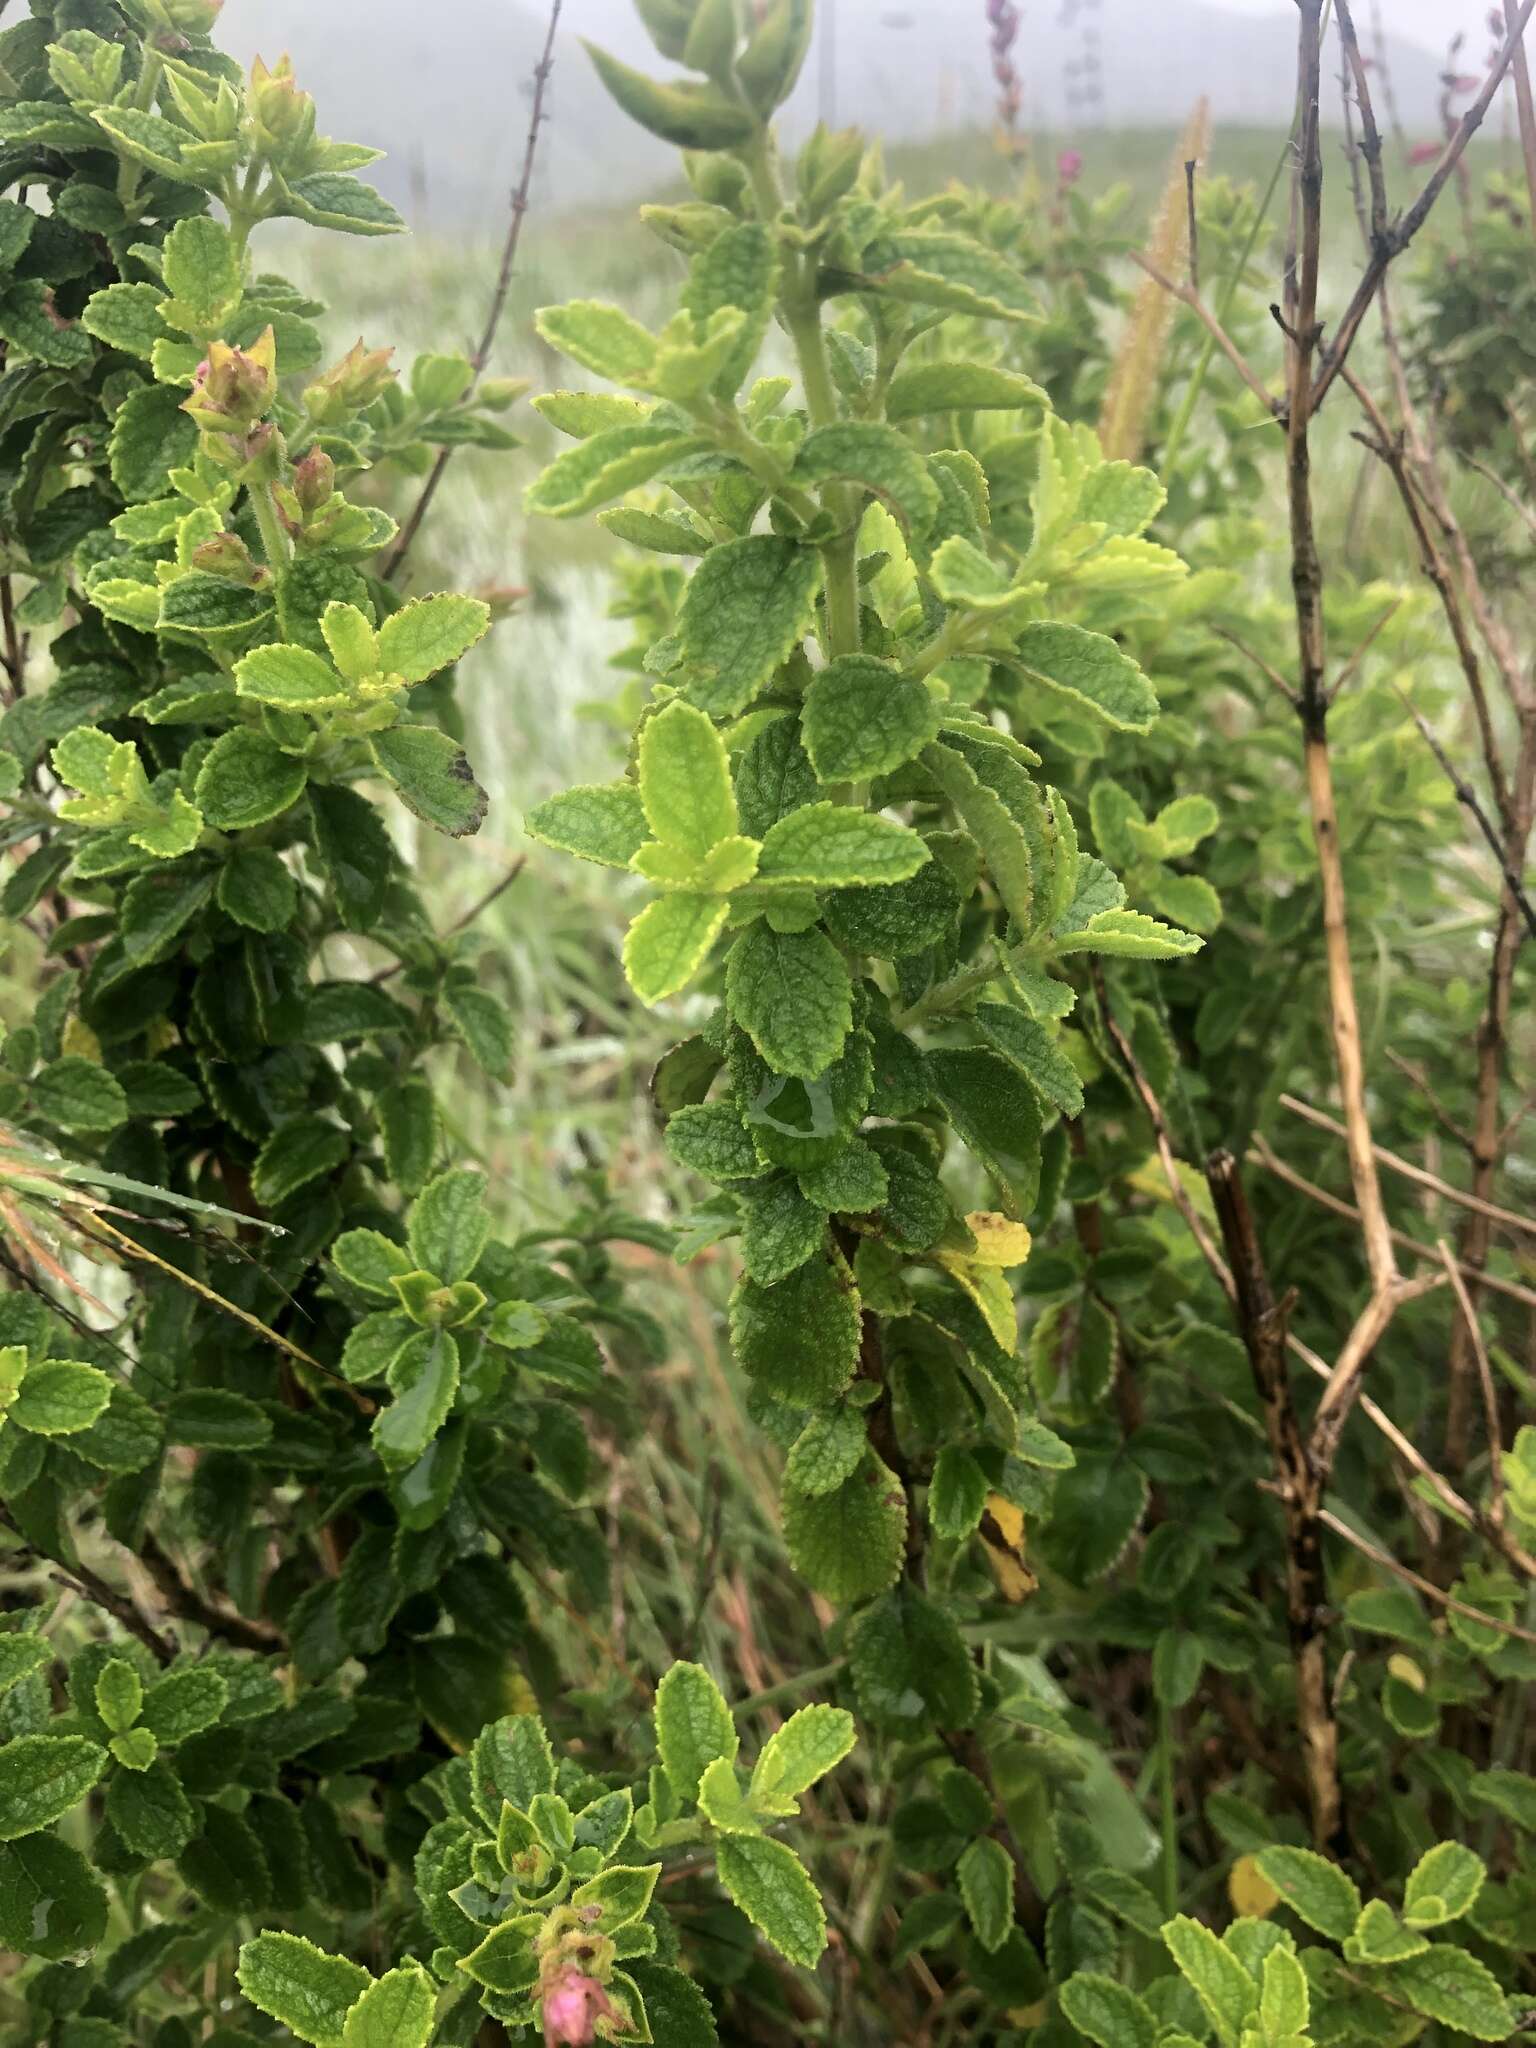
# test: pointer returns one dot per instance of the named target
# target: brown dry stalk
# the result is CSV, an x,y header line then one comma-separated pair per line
x,y
1133,376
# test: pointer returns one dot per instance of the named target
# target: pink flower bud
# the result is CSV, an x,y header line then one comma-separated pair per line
x,y
572,2007
1069,166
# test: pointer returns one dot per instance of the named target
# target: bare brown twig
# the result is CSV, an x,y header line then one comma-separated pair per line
x,y
482,354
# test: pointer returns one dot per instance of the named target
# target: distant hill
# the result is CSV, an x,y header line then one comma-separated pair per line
x,y
443,86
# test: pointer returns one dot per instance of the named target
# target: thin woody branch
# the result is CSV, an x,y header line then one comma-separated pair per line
x,y
1189,295
1401,232
482,355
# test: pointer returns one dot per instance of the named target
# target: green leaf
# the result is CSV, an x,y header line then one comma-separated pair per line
x,y
256,889
685,780
329,199
1284,1998
1380,1937
424,1377
739,270
119,1694
994,1110
813,1741
158,906
126,317
992,825
1106,2012
450,1224
1443,1885
830,1446
355,852
687,115
676,2009
1450,1986
245,780
78,1095
849,1544
877,458
799,1339
52,1904
1128,935
694,1727
151,436
431,773
669,942
832,846
1121,496
1095,1510
921,388
863,718
791,993
747,605
603,822
710,1139
291,678
396,2012
211,608
1317,1891
202,270
216,1419
1035,1052
957,1494
771,1886
601,338
615,461
429,634
20,1656
511,1761
59,1397
1217,1978
300,1986
780,1230
936,268
985,1874
183,1703
296,1154
616,1898
482,1021
42,1777
1090,669
910,1667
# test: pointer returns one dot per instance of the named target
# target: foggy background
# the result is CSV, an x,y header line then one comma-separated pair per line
x,y
443,87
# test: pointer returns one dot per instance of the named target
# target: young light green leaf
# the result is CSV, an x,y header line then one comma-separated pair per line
x,y
60,1397
669,942
429,634
685,780
300,1986
1316,1890
770,1884
693,1726
1217,1978
1284,1997
1448,1985
291,678
1443,1885
396,2012
920,388
813,1741
603,822
615,461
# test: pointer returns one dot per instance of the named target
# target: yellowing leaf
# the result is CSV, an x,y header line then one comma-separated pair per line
x,y
1250,1891
1002,1535
1000,1242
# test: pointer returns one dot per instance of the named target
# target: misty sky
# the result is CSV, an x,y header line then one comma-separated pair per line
x,y
1430,22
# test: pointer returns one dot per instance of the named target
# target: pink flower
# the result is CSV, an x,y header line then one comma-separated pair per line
x,y
1425,152
1069,166
572,2006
